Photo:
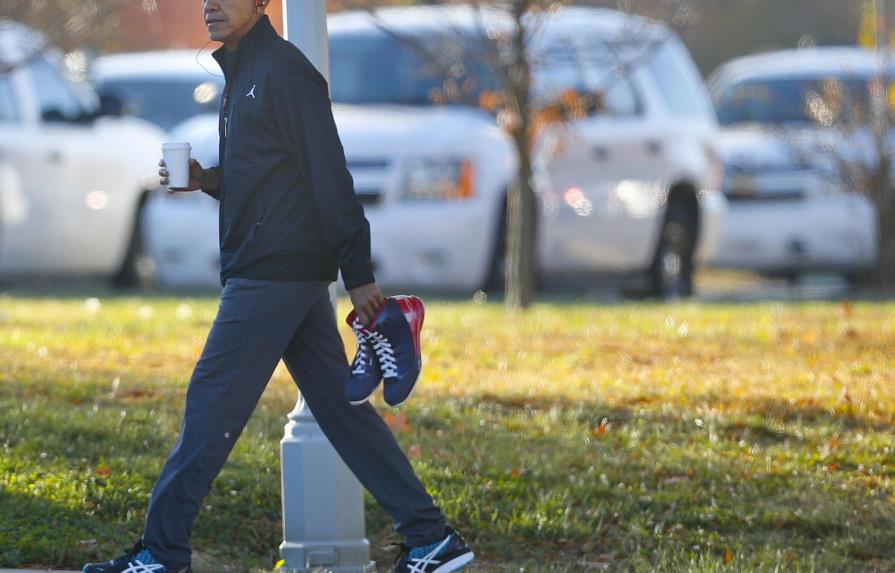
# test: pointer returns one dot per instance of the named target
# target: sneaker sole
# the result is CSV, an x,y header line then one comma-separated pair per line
x,y
456,563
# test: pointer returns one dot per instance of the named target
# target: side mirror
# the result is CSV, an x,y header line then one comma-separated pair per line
x,y
110,105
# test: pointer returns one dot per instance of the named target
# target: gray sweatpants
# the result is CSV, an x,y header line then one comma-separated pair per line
x,y
259,322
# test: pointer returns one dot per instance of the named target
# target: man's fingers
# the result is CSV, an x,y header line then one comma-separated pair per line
x,y
369,311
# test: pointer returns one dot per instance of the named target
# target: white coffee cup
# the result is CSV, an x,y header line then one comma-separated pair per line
x,y
177,162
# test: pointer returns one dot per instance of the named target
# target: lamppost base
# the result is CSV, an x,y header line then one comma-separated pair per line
x,y
323,556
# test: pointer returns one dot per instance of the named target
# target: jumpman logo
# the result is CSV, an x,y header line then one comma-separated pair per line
x,y
251,92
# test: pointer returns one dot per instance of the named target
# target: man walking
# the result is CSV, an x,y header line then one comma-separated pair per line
x,y
289,220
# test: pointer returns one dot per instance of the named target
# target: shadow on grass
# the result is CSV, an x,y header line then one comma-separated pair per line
x,y
37,532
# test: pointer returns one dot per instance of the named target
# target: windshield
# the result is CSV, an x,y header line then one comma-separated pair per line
x,y
376,68
165,102
423,71
811,100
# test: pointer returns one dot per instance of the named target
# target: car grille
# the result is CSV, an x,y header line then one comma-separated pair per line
x,y
368,196
753,195
370,176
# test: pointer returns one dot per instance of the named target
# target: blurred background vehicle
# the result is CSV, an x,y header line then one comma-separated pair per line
x,y
71,195
783,138
169,88
630,190
164,87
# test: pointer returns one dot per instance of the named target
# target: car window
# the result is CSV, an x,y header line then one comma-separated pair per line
x,y
794,100
9,112
166,102
55,98
588,70
679,83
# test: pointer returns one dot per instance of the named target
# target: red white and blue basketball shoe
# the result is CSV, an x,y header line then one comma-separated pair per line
x,y
388,350
395,335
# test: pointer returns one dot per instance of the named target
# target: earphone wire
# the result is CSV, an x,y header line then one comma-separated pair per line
x,y
211,73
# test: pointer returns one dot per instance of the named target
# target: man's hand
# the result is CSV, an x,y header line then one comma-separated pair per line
x,y
366,300
197,177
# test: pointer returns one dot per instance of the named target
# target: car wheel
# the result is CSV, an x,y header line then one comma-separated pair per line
x,y
138,271
671,274
497,273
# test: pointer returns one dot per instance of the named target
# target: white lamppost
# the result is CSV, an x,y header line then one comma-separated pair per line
x,y
323,504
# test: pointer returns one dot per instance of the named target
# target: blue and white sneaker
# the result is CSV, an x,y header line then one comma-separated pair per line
x,y
366,373
449,554
137,559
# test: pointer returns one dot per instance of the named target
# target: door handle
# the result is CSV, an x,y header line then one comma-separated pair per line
x,y
654,147
600,153
54,156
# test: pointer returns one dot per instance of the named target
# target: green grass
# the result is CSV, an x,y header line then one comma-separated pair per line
x,y
576,437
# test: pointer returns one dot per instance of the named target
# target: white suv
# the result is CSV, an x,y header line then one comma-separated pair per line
x,y
630,190
789,212
72,181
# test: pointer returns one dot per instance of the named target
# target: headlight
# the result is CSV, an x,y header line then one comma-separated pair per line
x,y
429,178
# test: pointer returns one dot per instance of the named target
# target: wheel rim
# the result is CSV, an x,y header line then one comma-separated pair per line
x,y
145,270
676,248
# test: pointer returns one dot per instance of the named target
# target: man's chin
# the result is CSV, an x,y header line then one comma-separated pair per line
x,y
216,36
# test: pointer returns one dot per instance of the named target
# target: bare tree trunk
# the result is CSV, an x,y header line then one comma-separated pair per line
x,y
883,197
885,270
520,255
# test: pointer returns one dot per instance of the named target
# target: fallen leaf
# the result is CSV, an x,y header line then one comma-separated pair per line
x,y
516,472
728,556
397,423
601,429
103,470
846,308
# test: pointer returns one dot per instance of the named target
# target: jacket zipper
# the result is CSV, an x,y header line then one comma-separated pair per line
x,y
226,107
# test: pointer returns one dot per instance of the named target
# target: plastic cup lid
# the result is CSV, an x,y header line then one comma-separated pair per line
x,y
178,145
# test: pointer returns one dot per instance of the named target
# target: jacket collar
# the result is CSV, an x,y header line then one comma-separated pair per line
x,y
249,45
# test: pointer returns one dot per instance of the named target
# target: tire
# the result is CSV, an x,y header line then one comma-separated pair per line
x,y
495,282
671,273
138,270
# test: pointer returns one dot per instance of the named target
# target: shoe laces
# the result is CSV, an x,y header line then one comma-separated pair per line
x,y
362,357
385,353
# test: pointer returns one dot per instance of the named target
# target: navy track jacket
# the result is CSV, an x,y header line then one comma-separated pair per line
x,y
288,210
